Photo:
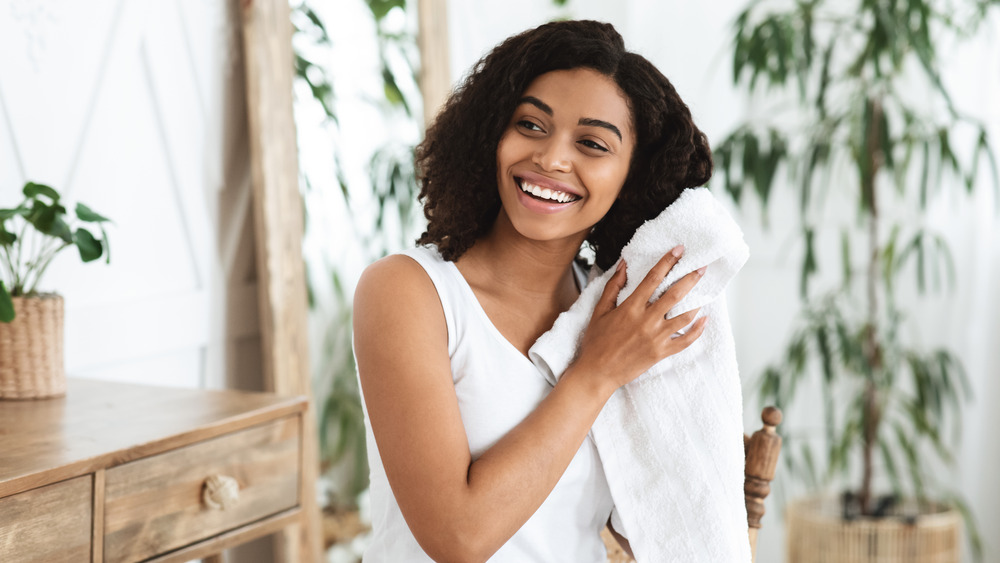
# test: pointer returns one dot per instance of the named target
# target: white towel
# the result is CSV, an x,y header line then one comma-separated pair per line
x,y
671,441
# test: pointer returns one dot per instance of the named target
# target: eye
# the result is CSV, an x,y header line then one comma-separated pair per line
x,y
530,126
593,145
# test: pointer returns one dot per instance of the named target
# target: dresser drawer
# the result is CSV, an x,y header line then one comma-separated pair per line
x,y
156,504
49,524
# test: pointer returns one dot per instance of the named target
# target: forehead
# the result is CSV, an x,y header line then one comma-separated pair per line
x,y
582,93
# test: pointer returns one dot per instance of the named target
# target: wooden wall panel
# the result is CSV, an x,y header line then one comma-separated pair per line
x,y
267,32
435,64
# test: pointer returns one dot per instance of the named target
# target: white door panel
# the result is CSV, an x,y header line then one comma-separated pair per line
x,y
137,109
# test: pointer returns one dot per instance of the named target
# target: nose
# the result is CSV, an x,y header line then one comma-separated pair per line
x,y
553,155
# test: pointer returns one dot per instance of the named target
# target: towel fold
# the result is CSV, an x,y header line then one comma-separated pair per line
x,y
671,440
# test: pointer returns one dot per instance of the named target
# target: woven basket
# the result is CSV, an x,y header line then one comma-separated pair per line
x,y
816,533
31,349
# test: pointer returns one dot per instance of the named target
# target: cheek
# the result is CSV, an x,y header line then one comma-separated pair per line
x,y
507,148
611,181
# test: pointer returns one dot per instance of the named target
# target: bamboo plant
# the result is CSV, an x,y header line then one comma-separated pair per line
x,y
33,233
840,80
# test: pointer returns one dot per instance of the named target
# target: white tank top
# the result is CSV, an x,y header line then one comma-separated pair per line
x,y
497,387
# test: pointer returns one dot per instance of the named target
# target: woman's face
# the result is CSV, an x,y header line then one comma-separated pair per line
x,y
565,154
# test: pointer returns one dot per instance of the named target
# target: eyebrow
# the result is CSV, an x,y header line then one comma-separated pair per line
x,y
585,121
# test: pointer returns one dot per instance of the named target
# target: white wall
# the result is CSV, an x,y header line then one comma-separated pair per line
x,y
688,41
137,109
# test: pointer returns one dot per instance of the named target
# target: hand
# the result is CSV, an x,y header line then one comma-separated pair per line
x,y
624,341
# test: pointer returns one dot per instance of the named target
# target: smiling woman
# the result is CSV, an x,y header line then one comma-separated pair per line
x,y
562,142
558,138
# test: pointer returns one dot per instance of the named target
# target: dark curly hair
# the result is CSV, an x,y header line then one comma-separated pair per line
x,y
459,151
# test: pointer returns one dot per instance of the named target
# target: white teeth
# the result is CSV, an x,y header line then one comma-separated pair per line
x,y
546,193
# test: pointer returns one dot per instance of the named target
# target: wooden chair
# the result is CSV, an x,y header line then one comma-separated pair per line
x,y
762,451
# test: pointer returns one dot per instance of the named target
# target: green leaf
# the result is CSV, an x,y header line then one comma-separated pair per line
x,y
90,248
808,263
845,258
889,264
913,460
925,174
380,8
819,153
104,242
923,48
824,80
885,141
6,304
947,154
87,215
726,154
61,230
48,220
865,159
33,190
770,385
20,210
324,36
921,277
740,41
7,238
983,146
826,355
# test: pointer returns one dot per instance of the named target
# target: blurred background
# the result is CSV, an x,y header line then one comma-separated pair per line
x,y
890,118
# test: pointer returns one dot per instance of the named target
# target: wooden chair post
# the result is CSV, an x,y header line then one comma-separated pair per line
x,y
762,451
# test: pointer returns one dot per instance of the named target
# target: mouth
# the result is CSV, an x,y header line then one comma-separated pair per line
x,y
547,195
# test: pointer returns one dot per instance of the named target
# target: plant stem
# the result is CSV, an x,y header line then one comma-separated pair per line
x,y
45,258
873,352
9,268
19,248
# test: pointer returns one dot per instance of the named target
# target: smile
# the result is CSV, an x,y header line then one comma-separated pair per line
x,y
545,193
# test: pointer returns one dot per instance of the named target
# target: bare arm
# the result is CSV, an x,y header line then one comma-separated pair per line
x,y
464,510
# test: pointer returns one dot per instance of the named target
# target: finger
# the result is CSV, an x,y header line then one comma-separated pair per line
x,y
683,341
677,323
656,274
610,294
676,292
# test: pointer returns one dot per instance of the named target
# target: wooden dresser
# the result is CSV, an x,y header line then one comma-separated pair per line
x,y
122,473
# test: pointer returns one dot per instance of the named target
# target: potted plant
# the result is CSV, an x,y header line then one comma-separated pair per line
x,y
840,81
31,323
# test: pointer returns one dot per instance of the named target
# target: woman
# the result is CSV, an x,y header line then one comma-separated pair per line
x,y
558,137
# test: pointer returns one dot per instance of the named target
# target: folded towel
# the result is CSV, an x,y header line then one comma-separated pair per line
x,y
671,440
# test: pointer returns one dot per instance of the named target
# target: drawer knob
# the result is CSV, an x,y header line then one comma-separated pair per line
x,y
220,492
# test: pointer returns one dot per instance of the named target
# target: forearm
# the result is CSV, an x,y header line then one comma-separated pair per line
x,y
508,483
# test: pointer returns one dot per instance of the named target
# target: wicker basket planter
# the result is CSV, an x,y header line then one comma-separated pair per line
x,y
818,534
31,349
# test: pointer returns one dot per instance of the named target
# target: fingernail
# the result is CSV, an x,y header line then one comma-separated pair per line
x,y
678,250
621,264
701,271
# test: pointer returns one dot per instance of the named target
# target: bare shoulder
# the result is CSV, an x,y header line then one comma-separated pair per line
x,y
395,280
396,306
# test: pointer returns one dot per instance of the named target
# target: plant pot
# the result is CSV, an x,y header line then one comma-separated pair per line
x,y
913,532
31,349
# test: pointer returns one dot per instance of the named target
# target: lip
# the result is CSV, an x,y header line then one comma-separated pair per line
x,y
546,182
538,206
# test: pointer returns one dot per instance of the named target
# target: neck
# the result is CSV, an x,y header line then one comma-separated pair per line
x,y
511,261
